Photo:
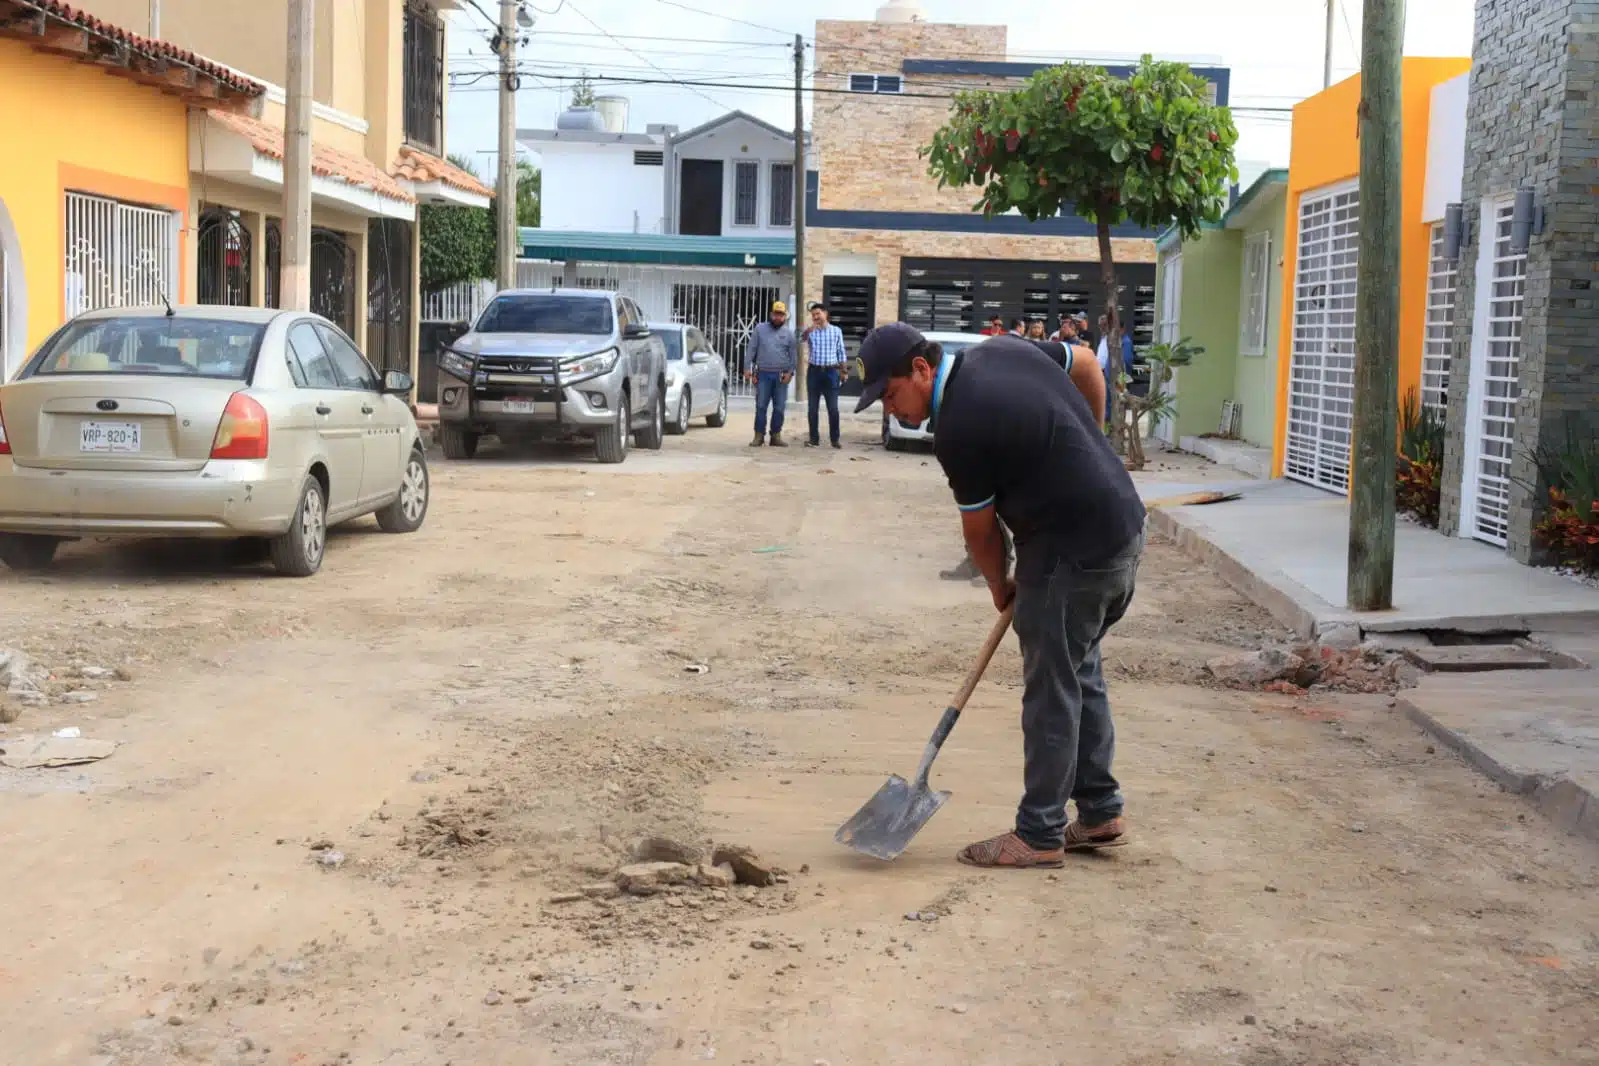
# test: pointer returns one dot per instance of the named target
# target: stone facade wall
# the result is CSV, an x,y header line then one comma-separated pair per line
x,y
867,144
889,247
1532,121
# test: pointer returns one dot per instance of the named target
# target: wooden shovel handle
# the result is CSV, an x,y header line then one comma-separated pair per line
x,y
990,645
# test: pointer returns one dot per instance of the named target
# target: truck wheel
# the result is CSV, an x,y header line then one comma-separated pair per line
x,y
719,419
652,435
405,514
891,442
457,443
298,553
610,444
27,551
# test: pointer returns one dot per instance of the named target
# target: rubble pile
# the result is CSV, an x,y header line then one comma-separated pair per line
x,y
1367,668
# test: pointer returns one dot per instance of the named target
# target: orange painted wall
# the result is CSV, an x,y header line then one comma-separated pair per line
x,y
1326,151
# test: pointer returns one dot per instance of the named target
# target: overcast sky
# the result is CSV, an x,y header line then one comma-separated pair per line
x,y
1274,48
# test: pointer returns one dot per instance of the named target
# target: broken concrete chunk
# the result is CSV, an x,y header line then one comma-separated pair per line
x,y
1255,668
1340,635
602,890
747,866
666,849
648,878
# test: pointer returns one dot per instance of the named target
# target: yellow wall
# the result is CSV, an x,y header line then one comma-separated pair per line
x,y
69,126
1326,151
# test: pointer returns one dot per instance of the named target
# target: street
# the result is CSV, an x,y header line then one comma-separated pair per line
x,y
344,812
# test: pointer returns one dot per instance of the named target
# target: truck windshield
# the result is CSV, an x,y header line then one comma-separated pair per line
x,y
547,313
673,339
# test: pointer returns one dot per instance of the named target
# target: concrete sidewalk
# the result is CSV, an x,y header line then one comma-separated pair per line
x,y
1285,545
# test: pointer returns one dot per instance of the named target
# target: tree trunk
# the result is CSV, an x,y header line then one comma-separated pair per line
x,y
1113,350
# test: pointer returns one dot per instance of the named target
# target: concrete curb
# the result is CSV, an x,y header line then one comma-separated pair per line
x,y
1570,804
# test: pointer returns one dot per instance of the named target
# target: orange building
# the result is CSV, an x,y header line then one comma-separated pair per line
x,y
1316,346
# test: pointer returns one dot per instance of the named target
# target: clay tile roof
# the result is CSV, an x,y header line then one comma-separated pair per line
x,y
113,37
327,162
412,164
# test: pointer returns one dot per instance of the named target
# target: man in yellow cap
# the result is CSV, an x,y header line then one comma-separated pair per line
x,y
772,355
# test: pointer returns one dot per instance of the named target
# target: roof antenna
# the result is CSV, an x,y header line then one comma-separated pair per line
x,y
170,313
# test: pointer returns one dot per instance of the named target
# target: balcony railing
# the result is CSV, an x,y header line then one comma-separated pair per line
x,y
424,80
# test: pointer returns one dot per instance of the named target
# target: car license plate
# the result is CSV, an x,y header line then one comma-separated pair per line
x,y
517,407
108,437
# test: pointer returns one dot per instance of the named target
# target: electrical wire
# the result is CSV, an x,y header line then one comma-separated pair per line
x,y
579,13
725,18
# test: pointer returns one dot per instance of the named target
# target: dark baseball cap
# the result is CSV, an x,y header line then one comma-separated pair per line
x,y
880,352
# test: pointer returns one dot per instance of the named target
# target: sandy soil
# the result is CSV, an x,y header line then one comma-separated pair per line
x,y
491,712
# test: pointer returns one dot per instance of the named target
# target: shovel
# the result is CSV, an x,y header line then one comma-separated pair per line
x,y
884,827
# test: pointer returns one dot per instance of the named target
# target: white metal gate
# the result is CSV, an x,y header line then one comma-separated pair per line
x,y
1321,376
1168,330
1442,277
118,255
1495,377
726,303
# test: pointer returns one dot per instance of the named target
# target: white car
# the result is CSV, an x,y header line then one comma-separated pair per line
x,y
896,434
696,378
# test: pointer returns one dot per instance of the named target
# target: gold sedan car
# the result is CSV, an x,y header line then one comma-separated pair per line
x,y
204,422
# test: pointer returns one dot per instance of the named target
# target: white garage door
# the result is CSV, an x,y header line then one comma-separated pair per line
x,y
1321,376
1495,382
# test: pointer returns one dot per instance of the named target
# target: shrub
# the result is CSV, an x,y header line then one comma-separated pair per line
x,y
1418,487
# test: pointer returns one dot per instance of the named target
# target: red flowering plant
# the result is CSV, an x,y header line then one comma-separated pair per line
x,y
1569,526
1150,149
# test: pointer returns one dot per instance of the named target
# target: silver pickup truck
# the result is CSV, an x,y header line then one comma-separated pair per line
x,y
554,364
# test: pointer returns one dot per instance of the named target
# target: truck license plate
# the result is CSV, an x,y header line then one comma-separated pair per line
x,y
517,407
108,437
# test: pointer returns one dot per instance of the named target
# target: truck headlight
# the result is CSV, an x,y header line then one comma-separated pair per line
x,y
454,362
584,367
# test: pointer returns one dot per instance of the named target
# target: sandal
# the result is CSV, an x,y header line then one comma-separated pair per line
x,y
1080,837
1010,850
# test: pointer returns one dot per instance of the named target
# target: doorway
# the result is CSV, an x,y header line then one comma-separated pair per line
x,y
1495,381
699,212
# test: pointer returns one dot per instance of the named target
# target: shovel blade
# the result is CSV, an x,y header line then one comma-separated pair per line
x,y
884,827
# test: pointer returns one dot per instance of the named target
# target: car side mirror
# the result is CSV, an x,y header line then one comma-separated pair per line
x,y
700,357
636,331
397,383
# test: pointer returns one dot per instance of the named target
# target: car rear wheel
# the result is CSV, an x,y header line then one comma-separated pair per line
x,y
719,419
298,553
457,443
27,551
410,507
891,442
610,444
685,404
654,434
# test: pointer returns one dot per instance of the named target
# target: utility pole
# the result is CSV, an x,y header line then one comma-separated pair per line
x,y
799,210
505,237
1326,63
155,20
296,295
1371,489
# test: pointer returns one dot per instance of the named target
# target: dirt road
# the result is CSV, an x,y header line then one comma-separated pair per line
x,y
487,715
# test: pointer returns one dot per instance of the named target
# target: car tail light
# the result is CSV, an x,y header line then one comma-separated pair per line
x,y
5,441
242,433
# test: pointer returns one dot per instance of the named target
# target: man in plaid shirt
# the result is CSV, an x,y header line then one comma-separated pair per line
x,y
822,377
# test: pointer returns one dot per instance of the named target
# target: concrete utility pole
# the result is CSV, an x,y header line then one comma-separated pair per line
x,y
296,295
1371,487
799,314
1326,63
505,237
155,19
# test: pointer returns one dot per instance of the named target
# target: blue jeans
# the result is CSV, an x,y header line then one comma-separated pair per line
x,y
1063,611
769,389
822,382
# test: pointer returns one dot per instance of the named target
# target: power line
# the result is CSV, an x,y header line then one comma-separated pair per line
x,y
579,13
491,21
725,18
654,37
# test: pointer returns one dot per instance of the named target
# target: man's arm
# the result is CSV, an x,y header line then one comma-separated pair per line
x,y
1090,381
986,544
752,349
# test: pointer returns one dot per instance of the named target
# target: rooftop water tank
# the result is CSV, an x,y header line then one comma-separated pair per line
x,y
613,109
580,118
901,11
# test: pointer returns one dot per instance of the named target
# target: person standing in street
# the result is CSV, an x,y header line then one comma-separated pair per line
x,y
822,375
1019,441
1035,330
771,355
1018,328
996,326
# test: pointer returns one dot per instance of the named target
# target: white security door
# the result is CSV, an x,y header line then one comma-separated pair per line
x,y
1321,375
1495,378
1442,277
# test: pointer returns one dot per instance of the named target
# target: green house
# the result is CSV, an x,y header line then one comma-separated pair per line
x,y
1223,291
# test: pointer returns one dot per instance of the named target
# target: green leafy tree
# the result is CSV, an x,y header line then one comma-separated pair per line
x,y
1148,149
583,91
529,187
455,242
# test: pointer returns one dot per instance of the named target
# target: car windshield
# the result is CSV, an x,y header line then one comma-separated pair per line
x,y
674,342
198,347
547,313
